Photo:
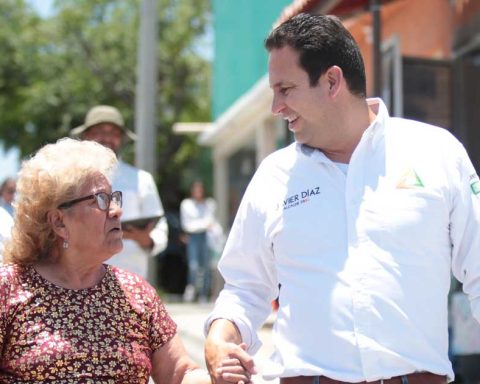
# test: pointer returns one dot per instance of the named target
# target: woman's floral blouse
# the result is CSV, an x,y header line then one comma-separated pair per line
x,y
104,334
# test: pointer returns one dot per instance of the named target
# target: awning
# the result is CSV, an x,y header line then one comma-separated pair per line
x,y
340,8
255,103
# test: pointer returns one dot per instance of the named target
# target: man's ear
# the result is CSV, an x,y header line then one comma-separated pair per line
x,y
334,77
55,218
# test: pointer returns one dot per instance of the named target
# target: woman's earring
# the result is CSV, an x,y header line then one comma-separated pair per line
x,y
65,244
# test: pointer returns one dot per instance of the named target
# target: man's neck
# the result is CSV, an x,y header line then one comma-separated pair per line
x,y
356,118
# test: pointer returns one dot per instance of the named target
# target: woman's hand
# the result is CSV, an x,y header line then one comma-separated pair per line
x,y
196,376
172,365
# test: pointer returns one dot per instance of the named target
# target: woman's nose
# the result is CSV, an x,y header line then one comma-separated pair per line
x,y
115,210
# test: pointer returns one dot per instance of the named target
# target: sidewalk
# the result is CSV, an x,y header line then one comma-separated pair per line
x,y
190,319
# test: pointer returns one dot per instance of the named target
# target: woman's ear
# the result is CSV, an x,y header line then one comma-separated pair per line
x,y
55,219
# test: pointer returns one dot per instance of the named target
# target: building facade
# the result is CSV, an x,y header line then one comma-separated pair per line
x,y
427,63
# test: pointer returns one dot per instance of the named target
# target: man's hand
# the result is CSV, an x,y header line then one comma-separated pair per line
x,y
139,235
225,355
238,368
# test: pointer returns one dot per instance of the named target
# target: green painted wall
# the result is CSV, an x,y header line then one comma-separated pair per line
x,y
240,28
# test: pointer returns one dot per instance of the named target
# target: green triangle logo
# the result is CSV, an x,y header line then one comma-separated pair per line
x,y
410,179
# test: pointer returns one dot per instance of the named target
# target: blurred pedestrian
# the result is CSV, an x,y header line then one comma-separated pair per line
x,y
7,194
6,224
66,316
197,216
105,125
355,227
465,337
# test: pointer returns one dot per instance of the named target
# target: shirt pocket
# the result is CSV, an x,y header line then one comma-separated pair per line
x,y
412,225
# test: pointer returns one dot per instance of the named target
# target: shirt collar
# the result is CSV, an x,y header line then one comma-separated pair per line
x,y
376,129
312,153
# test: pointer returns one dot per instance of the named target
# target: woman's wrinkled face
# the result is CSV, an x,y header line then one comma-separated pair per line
x,y
93,232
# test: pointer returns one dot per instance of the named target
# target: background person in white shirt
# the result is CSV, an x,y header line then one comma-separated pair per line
x,y
105,125
465,340
7,194
197,216
6,224
355,227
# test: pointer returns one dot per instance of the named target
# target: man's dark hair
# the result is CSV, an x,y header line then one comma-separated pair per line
x,y
321,41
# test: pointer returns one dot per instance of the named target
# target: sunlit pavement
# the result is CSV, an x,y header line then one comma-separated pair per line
x,y
190,319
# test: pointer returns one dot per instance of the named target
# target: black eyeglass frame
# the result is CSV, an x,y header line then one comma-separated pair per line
x,y
114,196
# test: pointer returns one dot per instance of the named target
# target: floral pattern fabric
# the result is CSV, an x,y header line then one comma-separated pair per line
x,y
104,334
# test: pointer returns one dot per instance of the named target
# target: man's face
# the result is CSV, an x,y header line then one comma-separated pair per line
x,y
9,191
307,108
107,134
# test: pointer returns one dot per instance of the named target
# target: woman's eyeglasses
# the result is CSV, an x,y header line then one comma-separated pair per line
x,y
103,200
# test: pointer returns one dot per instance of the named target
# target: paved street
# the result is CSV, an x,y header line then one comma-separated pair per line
x,y
190,318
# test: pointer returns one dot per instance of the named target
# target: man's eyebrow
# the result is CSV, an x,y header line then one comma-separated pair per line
x,y
280,84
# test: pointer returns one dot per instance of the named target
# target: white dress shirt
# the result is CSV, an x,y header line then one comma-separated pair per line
x,y
363,259
140,199
6,224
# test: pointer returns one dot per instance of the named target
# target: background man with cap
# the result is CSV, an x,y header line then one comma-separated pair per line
x,y
105,125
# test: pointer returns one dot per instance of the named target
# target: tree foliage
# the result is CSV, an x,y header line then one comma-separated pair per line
x,y
52,70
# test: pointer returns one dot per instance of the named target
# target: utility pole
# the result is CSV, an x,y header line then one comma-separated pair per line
x,y
145,95
146,88
375,8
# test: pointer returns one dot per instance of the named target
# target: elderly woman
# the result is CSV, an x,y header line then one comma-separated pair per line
x,y
65,316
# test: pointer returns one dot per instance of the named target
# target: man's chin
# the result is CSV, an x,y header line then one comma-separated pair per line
x,y
112,147
300,138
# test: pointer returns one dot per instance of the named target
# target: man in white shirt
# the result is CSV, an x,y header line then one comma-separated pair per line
x,y
355,227
105,125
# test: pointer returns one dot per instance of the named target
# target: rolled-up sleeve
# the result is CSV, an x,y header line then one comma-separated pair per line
x,y
151,205
247,266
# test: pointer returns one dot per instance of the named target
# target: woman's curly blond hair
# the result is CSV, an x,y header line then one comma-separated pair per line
x,y
55,174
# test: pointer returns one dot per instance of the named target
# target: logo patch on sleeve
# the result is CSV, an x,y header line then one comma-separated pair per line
x,y
475,184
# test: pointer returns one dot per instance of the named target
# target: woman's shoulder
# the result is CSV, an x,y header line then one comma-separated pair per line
x,y
9,273
10,281
131,282
186,202
139,293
